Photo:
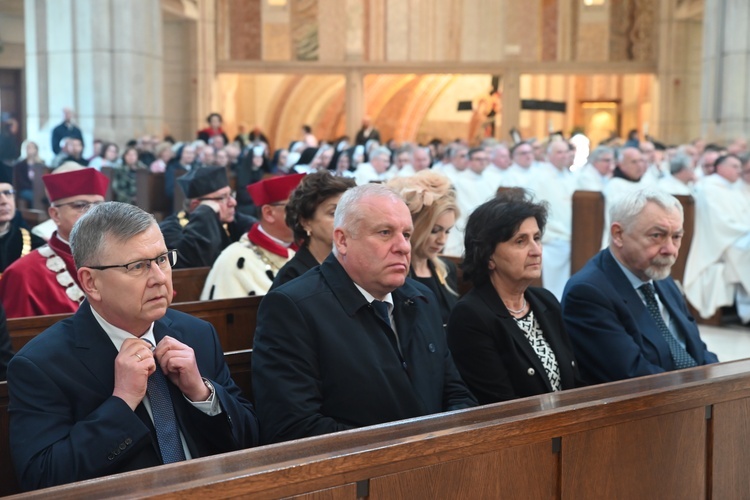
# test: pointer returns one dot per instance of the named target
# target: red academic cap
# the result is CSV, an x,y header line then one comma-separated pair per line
x,y
75,183
273,189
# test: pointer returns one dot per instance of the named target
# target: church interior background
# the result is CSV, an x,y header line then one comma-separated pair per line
x,y
420,69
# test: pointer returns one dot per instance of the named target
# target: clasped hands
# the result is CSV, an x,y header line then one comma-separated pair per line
x,y
137,360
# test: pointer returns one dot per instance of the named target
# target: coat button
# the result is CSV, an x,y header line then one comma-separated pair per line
x,y
573,364
128,441
432,347
123,446
531,372
110,457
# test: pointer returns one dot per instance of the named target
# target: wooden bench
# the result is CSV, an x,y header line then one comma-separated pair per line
x,y
675,435
150,194
40,196
233,319
588,225
188,283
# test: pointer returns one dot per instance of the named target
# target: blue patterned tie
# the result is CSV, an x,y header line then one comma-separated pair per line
x,y
165,422
681,358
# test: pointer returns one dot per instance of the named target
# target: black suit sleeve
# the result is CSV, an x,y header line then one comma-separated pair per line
x,y
199,243
471,339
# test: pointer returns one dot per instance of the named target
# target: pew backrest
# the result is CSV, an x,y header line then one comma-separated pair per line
x,y
188,283
588,225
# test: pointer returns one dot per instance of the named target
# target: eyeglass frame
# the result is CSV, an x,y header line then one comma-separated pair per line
x,y
147,261
222,199
8,193
84,208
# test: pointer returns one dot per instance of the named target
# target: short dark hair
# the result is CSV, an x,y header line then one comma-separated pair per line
x,y
493,222
721,159
314,189
208,118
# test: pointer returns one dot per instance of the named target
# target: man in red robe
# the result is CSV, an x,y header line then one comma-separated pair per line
x,y
45,281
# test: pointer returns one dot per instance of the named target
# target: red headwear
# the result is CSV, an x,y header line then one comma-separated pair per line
x,y
273,189
75,183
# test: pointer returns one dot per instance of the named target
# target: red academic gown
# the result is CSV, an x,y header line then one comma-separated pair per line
x,y
43,282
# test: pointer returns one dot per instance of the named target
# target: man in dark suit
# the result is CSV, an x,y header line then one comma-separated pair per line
x,y
625,315
91,396
353,342
66,129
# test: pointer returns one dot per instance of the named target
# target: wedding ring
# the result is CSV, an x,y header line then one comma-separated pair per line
x,y
138,356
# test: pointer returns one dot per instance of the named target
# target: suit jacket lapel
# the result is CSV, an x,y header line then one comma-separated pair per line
x,y
94,349
645,322
495,303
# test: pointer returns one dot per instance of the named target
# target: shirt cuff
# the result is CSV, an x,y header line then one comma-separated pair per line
x,y
211,406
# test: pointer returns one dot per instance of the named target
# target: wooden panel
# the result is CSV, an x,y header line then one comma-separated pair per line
x,y
588,225
730,458
244,29
688,207
188,283
478,477
150,193
345,492
658,457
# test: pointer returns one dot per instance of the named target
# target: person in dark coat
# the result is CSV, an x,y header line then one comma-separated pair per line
x,y
209,223
508,338
66,129
16,239
354,342
309,213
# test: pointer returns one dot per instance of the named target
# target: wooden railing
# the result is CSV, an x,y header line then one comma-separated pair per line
x,y
676,435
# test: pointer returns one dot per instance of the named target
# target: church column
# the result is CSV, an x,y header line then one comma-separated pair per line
x,y
725,94
678,76
511,101
102,58
355,102
204,42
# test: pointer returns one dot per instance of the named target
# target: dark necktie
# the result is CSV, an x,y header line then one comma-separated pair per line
x,y
381,309
165,422
681,358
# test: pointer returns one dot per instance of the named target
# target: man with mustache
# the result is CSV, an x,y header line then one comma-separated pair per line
x,y
623,312
354,342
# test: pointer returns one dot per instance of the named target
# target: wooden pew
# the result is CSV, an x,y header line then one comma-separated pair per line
x,y
188,283
150,194
588,224
675,435
40,197
108,171
234,320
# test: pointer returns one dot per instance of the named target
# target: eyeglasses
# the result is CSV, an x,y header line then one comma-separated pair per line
x,y
222,199
79,206
139,268
278,204
8,193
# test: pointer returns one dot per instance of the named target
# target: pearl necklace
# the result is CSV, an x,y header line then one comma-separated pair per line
x,y
519,311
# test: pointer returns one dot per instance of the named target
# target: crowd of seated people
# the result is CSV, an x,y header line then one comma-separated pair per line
x,y
362,320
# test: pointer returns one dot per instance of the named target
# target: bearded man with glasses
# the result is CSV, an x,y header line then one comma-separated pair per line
x,y
45,281
126,383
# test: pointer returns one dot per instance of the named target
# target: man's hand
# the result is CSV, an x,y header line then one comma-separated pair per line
x,y
133,365
213,204
177,361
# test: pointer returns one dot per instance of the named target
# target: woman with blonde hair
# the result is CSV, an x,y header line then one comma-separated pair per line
x,y
432,203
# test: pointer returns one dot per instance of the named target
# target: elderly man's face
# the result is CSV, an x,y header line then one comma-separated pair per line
x,y
605,164
7,203
132,302
380,163
523,155
649,248
501,158
377,253
460,160
730,169
633,164
558,155
421,160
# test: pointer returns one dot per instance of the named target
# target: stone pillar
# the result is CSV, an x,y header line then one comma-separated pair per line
x,y
725,93
204,44
677,83
355,102
102,58
511,101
